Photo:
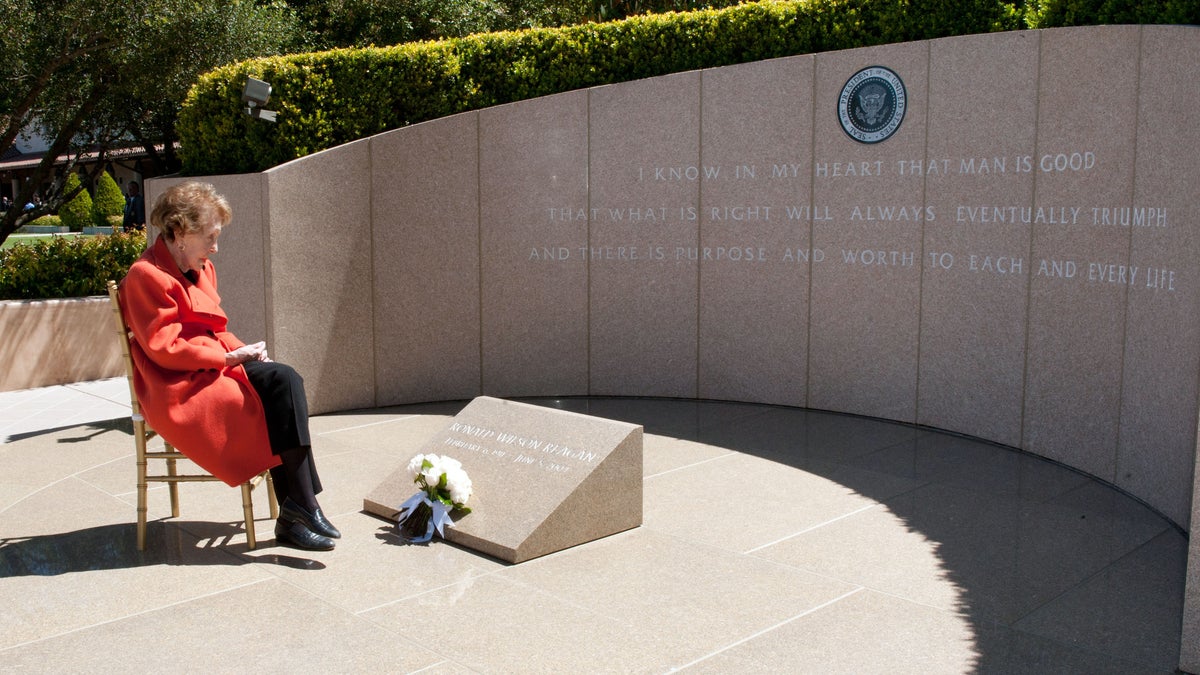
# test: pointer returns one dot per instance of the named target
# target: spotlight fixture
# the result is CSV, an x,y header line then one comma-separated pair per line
x,y
255,94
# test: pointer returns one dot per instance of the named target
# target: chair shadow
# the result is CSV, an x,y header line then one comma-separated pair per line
x,y
87,431
110,547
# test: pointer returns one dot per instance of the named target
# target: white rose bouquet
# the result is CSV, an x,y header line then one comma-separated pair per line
x,y
445,486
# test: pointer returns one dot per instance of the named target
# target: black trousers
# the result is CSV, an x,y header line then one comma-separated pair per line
x,y
286,407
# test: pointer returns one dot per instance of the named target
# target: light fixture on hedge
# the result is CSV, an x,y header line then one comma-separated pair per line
x,y
255,94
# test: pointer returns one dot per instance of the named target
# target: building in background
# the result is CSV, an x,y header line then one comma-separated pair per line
x,y
125,164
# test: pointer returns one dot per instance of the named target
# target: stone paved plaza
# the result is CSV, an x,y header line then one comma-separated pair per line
x,y
774,540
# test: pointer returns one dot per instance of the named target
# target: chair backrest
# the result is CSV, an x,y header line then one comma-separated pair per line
x,y
124,335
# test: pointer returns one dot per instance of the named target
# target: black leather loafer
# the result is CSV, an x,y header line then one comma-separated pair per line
x,y
295,533
314,520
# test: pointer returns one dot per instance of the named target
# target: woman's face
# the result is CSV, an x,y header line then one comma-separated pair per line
x,y
194,248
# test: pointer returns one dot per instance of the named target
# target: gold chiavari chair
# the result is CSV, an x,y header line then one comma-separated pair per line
x,y
142,433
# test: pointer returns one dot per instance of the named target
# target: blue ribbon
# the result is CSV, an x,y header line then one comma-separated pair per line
x,y
438,521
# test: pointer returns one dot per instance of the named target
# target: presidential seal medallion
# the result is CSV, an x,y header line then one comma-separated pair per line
x,y
872,104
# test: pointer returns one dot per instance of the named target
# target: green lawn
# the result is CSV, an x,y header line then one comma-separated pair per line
x,y
16,239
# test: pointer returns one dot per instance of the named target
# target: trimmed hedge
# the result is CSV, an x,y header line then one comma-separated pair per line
x,y
45,221
108,204
67,267
77,213
325,99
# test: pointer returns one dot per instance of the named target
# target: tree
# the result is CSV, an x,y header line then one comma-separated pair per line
x,y
56,57
358,23
76,213
108,202
88,75
197,38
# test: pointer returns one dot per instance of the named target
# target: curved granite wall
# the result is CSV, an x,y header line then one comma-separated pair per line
x,y
1018,260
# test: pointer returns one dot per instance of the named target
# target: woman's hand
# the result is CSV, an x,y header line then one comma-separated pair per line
x,y
254,352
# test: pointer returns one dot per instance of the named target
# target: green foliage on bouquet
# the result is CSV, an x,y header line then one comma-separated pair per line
x,y
443,480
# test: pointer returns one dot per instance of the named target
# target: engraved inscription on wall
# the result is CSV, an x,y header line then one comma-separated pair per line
x,y
747,219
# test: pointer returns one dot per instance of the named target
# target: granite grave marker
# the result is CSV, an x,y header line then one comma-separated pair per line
x,y
544,479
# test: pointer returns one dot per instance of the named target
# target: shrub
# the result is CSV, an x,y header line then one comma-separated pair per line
x,y
77,213
108,202
67,267
328,98
1055,13
48,221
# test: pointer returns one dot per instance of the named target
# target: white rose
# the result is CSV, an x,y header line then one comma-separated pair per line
x,y
432,475
459,485
414,466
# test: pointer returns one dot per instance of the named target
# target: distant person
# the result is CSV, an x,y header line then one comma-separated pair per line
x,y
5,203
221,402
135,209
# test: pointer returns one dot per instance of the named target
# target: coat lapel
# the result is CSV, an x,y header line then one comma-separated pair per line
x,y
203,294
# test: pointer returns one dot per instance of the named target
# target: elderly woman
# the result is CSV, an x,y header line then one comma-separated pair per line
x,y
223,403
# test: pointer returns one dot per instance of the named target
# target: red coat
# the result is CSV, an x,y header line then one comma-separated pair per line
x,y
207,411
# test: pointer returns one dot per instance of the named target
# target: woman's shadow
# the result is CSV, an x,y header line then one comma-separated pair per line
x,y
109,547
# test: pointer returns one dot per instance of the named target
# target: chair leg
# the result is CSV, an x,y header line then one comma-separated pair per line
x,y
248,513
271,496
139,431
173,486
141,506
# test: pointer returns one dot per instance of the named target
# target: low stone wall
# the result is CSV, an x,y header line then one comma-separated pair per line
x,y
49,342
43,229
